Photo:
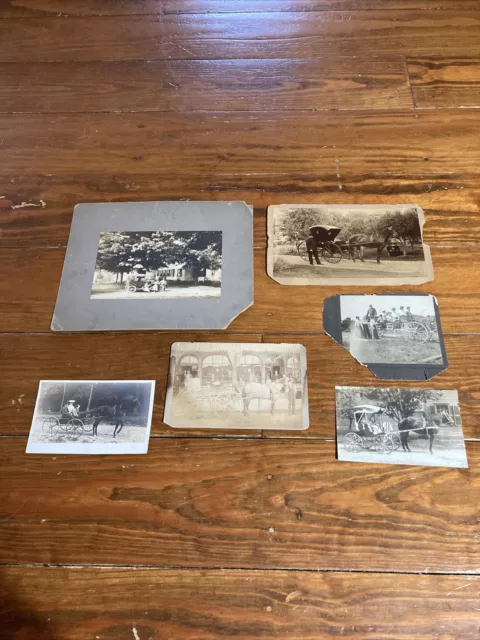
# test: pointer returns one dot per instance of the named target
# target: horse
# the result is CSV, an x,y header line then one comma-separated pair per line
x,y
115,413
418,425
360,240
260,391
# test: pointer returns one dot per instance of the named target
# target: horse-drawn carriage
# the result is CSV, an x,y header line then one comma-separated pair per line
x,y
369,433
332,250
414,330
67,424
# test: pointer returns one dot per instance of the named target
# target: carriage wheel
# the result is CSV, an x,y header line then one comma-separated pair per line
x,y
50,426
417,331
353,442
302,250
395,439
87,425
332,253
383,444
75,426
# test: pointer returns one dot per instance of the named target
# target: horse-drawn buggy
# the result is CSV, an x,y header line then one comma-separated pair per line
x,y
52,425
367,432
402,327
146,282
323,240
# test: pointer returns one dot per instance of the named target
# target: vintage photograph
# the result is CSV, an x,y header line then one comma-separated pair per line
x,y
390,329
400,426
347,244
237,386
158,264
95,417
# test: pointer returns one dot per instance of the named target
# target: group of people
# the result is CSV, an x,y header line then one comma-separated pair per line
x,y
366,327
148,283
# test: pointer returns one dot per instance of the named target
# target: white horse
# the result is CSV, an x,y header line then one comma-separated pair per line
x,y
261,391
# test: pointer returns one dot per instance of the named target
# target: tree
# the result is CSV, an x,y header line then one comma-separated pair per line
x,y
406,226
195,250
400,403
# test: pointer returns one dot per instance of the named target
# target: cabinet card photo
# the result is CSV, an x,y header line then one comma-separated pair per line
x,y
237,386
397,336
400,426
156,265
347,244
92,416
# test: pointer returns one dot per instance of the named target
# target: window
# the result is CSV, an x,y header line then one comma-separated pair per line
x,y
188,360
250,359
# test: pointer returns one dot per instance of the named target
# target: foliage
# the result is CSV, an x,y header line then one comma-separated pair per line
x,y
296,224
398,403
120,252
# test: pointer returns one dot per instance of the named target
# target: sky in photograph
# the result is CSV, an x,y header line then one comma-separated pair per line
x,y
351,306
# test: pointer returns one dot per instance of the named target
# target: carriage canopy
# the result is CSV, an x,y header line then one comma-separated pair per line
x,y
324,233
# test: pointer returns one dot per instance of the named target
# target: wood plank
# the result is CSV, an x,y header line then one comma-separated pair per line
x,y
445,82
30,279
27,358
59,8
94,356
449,200
206,85
79,603
240,35
253,145
278,504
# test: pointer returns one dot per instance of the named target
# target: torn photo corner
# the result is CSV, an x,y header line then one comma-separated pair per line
x,y
400,426
396,336
215,385
156,265
347,245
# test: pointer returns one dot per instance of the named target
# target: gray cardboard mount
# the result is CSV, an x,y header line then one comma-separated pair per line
x,y
386,371
75,310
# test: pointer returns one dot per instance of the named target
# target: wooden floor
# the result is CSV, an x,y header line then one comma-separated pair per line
x,y
254,534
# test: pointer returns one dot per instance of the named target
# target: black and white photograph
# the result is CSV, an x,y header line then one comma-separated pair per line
x,y
347,244
400,426
158,264
92,417
393,329
237,386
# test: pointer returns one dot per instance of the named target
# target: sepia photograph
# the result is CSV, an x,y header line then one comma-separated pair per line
x,y
158,264
92,417
401,329
400,426
347,244
237,386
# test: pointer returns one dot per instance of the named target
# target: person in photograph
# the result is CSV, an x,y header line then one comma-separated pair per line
x,y
358,332
70,410
373,329
366,327
312,249
371,312
409,315
291,394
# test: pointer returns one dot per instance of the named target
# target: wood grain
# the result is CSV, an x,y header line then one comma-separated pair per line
x,y
276,503
81,603
253,145
450,200
28,358
206,85
31,277
240,35
445,82
59,8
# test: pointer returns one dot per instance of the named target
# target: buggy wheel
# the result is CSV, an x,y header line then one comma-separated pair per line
x,y
302,250
417,331
395,439
383,444
353,442
87,425
50,426
75,426
332,253
131,287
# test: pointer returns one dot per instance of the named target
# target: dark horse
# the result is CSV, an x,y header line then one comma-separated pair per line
x,y
357,242
419,425
115,414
